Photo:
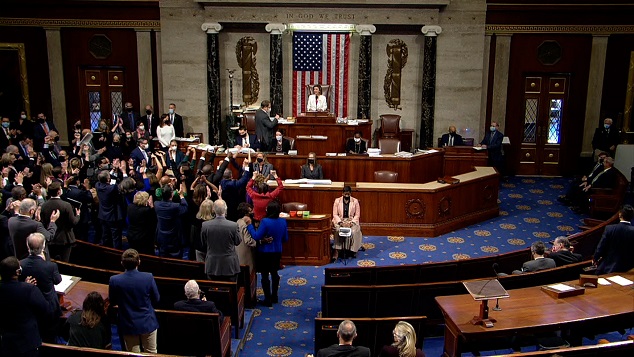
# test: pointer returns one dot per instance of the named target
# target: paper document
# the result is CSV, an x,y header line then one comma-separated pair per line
x,y
561,287
307,185
620,280
64,284
603,281
479,148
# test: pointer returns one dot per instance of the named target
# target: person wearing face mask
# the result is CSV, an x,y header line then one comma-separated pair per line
x,y
245,140
451,138
281,144
265,126
492,142
176,120
24,125
22,225
346,213
579,184
174,157
140,154
141,132
605,138
312,170
130,117
262,166
7,136
41,129
165,132
150,121
356,145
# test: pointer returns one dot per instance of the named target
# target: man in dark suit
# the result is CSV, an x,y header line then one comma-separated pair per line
x,y
539,262
451,138
6,244
140,153
78,196
150,121
561,253
176,120
577,186
22,225
196,301
604,179
245,140
110,214
61,244
221,237
356,145
46,276
264,126
346,333
24,307
130,117
41,129
7,134
135,293
169,231
492,142
231,189
614,252
606,138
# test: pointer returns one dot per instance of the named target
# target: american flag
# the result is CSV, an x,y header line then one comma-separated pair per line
x,y
321,58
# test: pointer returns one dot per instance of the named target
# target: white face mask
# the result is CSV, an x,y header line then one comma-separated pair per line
x,y
279,138
173,148
171,111
357,140
141,127
23,116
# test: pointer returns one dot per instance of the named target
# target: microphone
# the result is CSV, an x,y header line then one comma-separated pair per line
x,y
497,307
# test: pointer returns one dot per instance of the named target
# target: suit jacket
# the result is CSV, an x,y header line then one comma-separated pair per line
x,y
493,141
47,276
352,148
4,139
232,194
20,227
254,143
24,305
130,120
286,145
606,179
6,244
316,174
109,202
141,225
150,125
264,169
604,138
39,133
222,237
135,293
174,164
337,350
169,231
137,156
265,129
565,257
197,305
538,264
67,220
354,210
177,122
614,251
83,196
457,140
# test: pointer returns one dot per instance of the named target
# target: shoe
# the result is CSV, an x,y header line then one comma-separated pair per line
x,y
362,249
274,299
266,303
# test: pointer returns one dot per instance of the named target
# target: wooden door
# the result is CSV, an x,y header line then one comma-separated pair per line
x,y
543,122
101,94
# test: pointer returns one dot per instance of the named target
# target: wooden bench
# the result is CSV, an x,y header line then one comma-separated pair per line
x,y
228,297
612,349
584,243
373,333
84,253
418,299
53,350
605,201
193,334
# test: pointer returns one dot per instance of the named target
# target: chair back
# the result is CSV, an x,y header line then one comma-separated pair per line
x,y
385,176
248,120
291,141
294,206
389,146
390,125
325,91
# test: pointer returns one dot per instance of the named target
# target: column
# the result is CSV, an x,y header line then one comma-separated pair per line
x,y
501,78
159,71
214,123
144,55
595,91
56,81
277,68
429,86
365,71
485,81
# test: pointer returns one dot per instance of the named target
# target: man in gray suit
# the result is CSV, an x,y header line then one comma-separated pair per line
x,y
264,126
539,262
221,237
22,225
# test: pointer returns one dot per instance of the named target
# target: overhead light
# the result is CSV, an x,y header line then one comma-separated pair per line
x,y
321,27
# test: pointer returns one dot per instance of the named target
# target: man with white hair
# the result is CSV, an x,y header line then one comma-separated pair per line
x,y
23,224
605,138
196,300
221,237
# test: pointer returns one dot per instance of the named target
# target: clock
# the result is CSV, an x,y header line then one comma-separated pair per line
x,y
549,53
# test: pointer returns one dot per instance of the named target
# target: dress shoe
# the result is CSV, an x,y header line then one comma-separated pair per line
x,y
266,303
274,299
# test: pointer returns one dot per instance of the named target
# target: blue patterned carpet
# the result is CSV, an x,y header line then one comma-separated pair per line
x,y
529,211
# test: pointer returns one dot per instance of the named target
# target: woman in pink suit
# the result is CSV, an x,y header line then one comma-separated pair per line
x,y
345,214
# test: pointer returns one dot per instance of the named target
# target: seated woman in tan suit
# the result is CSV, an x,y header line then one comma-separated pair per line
x,y
345,214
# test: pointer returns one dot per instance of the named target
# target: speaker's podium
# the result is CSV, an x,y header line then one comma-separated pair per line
x,y
485,290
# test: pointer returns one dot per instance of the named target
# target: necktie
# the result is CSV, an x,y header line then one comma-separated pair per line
x,y
45,127
491,138
131,117
450,140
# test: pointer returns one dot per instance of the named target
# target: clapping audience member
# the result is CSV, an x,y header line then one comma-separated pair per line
x,y
89,327
205,213
109,210
196,301
261,194
246,249
404,342
61,244
169,232
232,189
221,237
269,252
22,225
142,223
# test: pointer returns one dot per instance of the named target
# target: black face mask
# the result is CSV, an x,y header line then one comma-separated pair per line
x,y
244,135
148,112
260,159
129,110
61,158
40,120
452,132
311,161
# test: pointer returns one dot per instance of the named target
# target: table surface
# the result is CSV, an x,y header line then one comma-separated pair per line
x,y
78,293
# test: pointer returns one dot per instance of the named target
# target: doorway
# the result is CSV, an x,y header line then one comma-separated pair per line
x,y
544,119
101,95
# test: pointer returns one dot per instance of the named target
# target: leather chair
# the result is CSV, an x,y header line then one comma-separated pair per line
x,y
291,141
294,206
390,125
325,90
385,176
248,120
195,135
389,146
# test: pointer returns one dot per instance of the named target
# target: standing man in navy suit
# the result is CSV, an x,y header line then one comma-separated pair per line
x,y
614,252
493,143
140,153
135,293
25,307
176,120
41,128
130,117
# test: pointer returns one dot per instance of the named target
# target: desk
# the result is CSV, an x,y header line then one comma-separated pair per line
x,y
308,241
78,293
336,133
530,310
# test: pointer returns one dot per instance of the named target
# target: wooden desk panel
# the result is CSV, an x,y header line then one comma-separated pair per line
x,y
461,159
531,310
308,241
336,133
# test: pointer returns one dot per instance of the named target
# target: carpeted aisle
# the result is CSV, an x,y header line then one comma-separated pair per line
x,y
529,211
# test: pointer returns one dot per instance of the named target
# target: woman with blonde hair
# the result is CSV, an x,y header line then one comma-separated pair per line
x,y
205,213
404,342
142,223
